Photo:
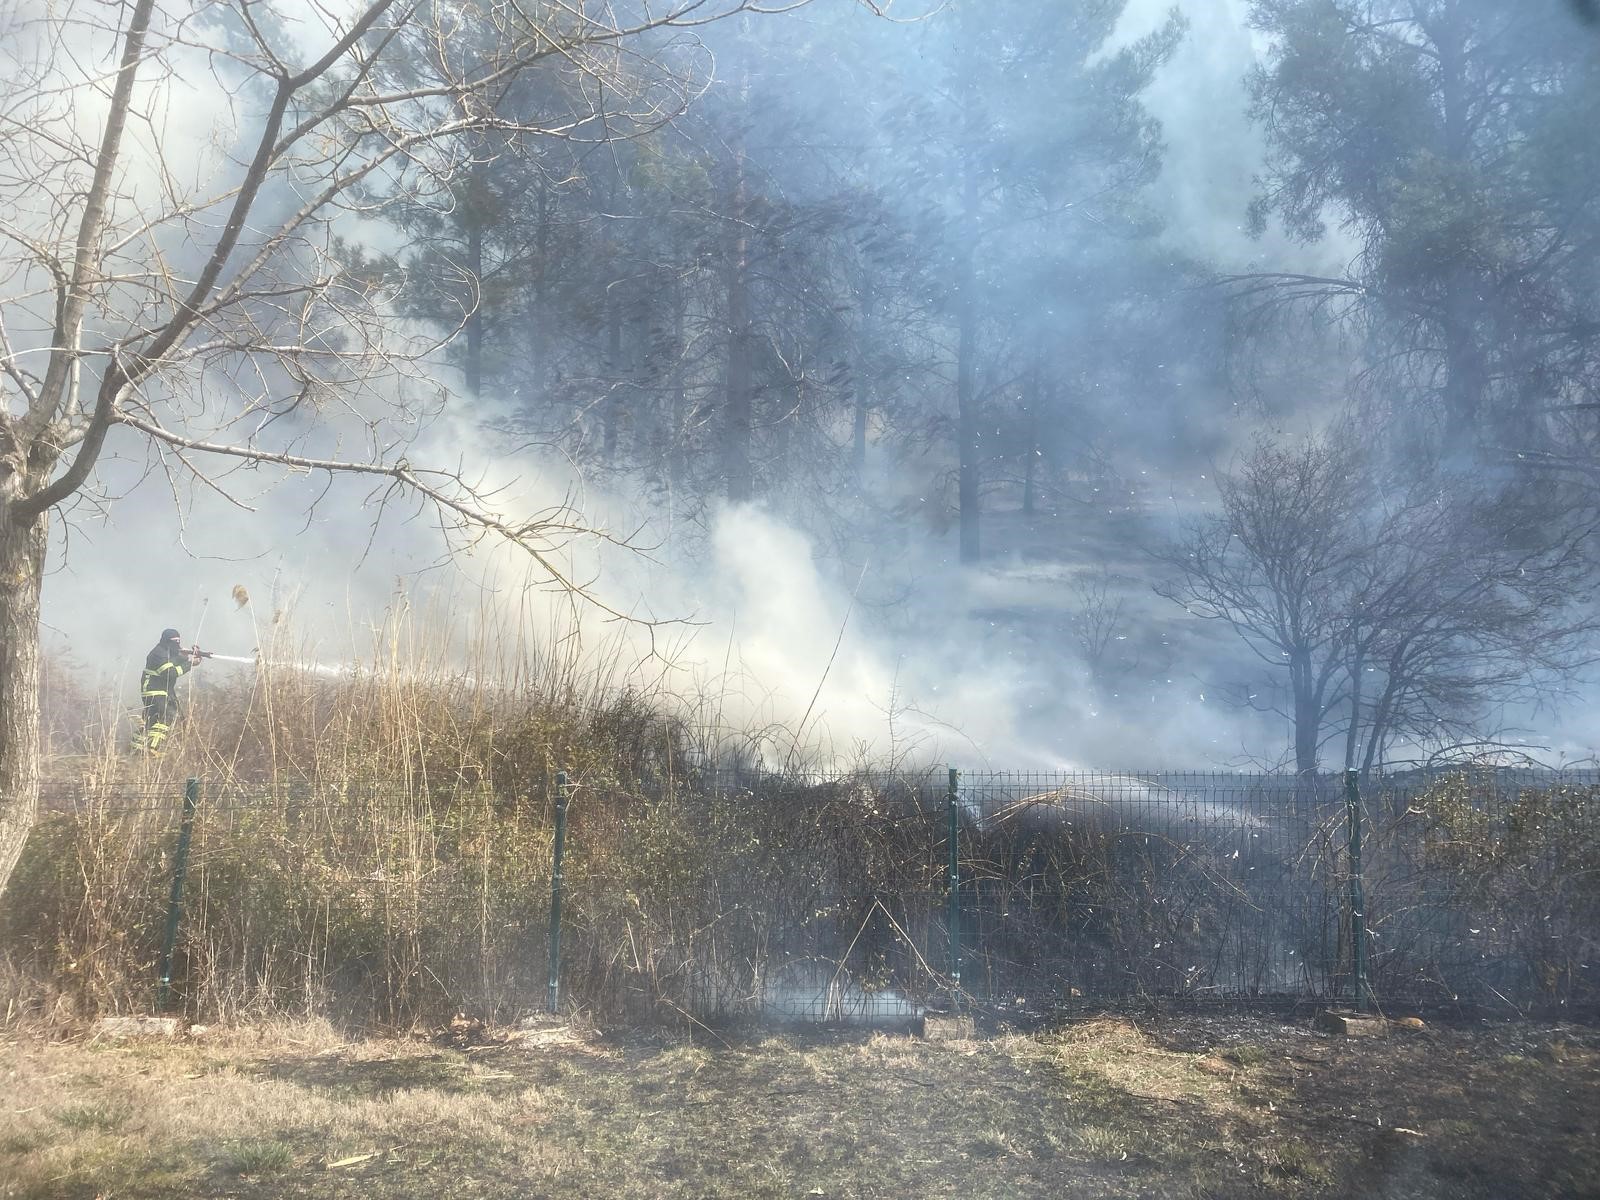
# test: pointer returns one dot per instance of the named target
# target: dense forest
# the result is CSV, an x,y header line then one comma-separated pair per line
x,y
919,284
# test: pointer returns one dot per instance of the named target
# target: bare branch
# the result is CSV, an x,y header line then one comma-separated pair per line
x,y
539,537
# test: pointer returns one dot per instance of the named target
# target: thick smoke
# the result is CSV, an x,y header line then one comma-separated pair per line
x,y
758,630
976,666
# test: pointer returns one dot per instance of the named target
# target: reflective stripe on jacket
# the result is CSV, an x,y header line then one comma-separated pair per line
x,y
162,666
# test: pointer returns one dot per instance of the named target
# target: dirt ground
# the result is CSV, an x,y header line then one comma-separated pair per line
x,y
1185,1107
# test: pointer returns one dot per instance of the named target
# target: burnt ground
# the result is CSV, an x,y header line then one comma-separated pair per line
x,y
1104,1107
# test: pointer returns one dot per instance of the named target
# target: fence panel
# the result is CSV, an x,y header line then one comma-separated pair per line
x,y
718,895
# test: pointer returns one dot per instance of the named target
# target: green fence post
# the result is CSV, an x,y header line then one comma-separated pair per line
x,y
180,868
1358,904
553,995
953,883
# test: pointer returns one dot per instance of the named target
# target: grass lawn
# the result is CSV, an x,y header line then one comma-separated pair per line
x,y
1217,1106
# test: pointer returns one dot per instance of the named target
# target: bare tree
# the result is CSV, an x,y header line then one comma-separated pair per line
x,y
1396,607
1099,615
1463,599
1277,564
191,287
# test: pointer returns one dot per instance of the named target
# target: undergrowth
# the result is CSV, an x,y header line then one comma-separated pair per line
x,y
373,845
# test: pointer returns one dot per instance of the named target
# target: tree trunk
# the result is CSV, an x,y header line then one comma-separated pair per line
x,y
738,403
862,386
1030,449
858,438
677,435
474,329
1307,716
22,549
611,408
538,338
1464,365
1029,466
1465,370
25,472
967,429
1384,709
1306,725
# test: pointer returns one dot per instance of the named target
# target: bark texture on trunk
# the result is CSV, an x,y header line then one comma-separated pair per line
x,y
1307,714
738,403
968,431
1352,735
862,385
858,437
474,328
611,408
538,338
1030,451
22,549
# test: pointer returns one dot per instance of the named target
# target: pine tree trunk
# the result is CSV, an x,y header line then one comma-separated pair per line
x,y
862,385
21,573
538,337
858,438
611,408
738,403
967,434
474,328
1030,450
677,433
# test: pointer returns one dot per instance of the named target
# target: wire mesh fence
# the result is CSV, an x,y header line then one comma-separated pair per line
x,y
719,895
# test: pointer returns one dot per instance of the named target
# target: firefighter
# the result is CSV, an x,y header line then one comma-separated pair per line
x,y
158,687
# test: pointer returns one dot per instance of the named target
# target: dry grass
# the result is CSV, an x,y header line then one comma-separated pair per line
x,y
374,846
411,712
1102,1110
372,843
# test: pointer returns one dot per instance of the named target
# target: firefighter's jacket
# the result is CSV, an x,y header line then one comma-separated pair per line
x,y
162,666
